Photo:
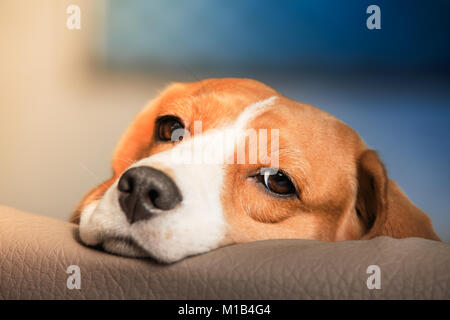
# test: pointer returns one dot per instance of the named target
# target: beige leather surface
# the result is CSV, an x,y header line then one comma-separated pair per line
x,y
35,252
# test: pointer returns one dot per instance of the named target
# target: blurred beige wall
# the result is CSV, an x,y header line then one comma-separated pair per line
x,y
61,113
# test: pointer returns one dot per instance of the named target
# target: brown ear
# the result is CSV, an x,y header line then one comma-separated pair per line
x,y
383,207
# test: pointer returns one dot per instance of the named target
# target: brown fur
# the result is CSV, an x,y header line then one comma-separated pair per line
x,y
344,189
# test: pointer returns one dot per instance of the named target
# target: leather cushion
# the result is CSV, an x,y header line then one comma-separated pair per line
x,y
35,252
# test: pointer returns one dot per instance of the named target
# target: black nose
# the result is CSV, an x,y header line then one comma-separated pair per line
x,y
144,191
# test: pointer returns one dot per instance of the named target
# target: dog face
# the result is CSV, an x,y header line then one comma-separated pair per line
x,y
225,161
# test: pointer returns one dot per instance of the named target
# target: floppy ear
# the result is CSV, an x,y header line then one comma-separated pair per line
x,y
383,207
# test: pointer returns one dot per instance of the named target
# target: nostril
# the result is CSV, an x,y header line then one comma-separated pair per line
x,y
163,200
153,195
126,184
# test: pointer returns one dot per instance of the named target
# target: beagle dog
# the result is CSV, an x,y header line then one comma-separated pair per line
x,y
223,161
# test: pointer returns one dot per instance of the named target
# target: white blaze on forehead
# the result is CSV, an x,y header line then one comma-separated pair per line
x,y
256,150
217,145
252,111
197,224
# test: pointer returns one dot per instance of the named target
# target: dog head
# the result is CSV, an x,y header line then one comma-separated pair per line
x,y
225,161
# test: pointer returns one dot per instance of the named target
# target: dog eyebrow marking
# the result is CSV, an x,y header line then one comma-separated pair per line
x,y
253,110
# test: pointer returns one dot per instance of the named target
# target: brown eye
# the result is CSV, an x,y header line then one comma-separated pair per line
x,y
166,126
278,183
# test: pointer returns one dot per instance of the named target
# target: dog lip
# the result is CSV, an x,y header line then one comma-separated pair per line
x,y
124,246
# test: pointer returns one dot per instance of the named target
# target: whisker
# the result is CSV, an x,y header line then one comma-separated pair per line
x,y
92,174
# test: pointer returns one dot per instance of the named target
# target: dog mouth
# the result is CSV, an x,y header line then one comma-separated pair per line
x,y
124,247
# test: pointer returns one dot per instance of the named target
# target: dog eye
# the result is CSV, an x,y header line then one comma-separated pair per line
x,y
166,126
278,183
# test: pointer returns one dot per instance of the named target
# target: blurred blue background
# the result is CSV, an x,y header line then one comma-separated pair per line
x,y
314,34
391,85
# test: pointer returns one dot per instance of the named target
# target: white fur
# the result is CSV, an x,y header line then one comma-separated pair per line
x,y
196,225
